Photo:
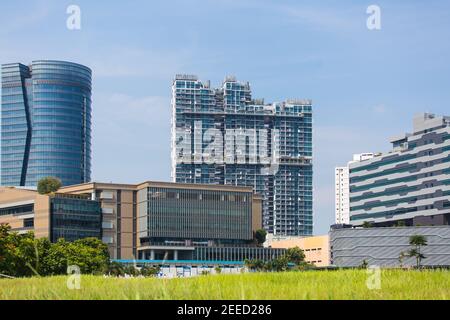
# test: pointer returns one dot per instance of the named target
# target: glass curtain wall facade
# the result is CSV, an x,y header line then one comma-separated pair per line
x,y
74,218
199,215
286,129
236,253
45,123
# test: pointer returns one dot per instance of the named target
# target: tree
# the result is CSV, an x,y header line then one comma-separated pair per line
x,y
17,253
4,232
295,255
366,224
402,257
116,269
49,185
279,264
42,247
90,254
150,271
260,236
56,259
131,270
255,264
22,255
418,241
401,223
305,266
364,264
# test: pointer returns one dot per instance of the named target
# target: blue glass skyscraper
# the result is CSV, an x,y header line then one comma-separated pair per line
x,y
45,123
213,123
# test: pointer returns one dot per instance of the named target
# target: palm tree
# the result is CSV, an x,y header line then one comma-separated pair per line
x,y
417,241
364,264
402,257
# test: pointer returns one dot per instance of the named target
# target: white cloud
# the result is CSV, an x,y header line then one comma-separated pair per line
x,y
26,18
129,62
317,16
320,17
380,109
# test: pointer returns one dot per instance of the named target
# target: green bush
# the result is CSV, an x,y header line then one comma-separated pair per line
x,y
48,185
147,271
293,259
22,255
260,236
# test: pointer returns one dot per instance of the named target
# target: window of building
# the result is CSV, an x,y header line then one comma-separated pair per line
x,y
28,223
24,209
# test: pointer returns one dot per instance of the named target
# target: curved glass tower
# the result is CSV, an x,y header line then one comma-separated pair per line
x,y
45,123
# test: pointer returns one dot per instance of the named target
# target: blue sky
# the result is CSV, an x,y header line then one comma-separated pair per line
x,y
366,85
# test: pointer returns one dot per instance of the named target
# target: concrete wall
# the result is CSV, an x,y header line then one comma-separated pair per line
x,y
10,197
316,249
383,246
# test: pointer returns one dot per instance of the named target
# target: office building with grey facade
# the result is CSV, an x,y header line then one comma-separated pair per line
x,y
409,185
388,246
223,136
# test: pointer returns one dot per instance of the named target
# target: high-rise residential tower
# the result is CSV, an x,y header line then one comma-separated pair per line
x,y
223,136
409,185
342,189
45,123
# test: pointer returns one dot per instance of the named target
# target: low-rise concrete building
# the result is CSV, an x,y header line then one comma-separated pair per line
x,y
154,222
316,248
383,247
161,221
53,216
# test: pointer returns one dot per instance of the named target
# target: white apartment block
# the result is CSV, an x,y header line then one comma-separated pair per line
x,y
342,212
342,189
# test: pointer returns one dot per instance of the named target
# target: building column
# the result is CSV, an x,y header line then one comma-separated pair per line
x,y
152,254
175,255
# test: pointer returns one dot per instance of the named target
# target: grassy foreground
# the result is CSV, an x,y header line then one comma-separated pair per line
x,y
344,284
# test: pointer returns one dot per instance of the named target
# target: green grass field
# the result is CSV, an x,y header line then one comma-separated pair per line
x,y
344,284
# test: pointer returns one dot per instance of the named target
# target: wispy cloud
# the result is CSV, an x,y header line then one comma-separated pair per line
x,y
132,62
380,109
319,17
33,15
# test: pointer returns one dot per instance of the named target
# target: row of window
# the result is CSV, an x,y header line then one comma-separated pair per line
x,y
407,168
43,140
401,200
62,74
45,155
23,209
383,162
410,178
64,96
383,214
59,87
